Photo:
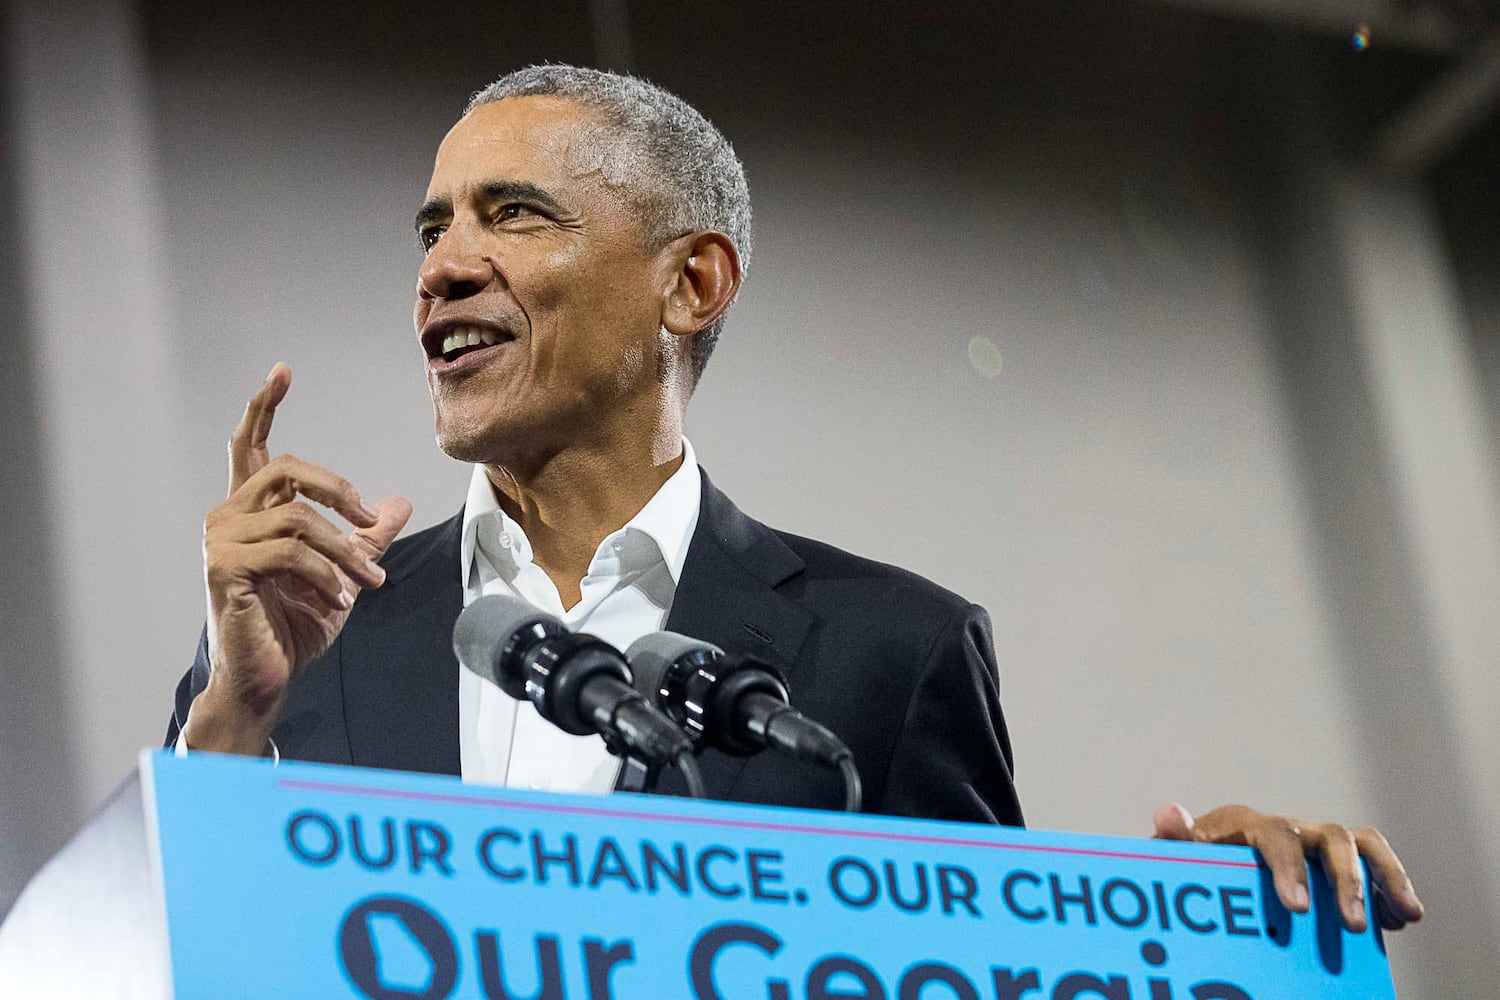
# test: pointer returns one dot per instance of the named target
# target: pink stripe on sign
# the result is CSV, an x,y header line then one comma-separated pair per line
x,y
297,784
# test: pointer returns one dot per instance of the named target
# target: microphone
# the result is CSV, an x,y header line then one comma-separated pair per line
x,y
735,703
579,683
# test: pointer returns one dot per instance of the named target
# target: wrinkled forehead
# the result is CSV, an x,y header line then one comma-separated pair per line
x,y
544,140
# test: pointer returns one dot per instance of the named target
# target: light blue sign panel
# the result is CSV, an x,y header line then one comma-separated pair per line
x,y
311,881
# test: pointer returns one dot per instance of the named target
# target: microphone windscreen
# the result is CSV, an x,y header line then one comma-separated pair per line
x,y
653,654
483,629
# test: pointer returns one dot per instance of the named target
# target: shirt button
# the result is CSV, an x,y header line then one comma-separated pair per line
x,y
504,539
618,546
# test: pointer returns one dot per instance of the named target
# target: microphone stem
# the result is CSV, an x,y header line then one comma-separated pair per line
x,y
853,793
688,765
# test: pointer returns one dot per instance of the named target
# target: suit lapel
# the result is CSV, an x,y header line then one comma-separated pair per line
x,y
399,673
400,677
727,596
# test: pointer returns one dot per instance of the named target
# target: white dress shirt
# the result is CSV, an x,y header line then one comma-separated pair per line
x,y
627,593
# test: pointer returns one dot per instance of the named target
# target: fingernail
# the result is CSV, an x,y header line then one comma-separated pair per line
x,y
346,600
374,569
272,373
1299,896
369,511
1410,895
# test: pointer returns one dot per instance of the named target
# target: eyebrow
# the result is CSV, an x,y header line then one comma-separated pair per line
x,y
441,208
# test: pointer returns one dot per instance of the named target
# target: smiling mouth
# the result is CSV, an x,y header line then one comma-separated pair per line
x,y
467,339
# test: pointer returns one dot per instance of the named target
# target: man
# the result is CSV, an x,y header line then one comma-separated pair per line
x,y
585,235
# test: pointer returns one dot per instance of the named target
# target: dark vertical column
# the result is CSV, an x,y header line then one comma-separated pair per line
x,y
1359,436
38,783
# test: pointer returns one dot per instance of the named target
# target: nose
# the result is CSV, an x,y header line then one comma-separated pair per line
x,y
453,270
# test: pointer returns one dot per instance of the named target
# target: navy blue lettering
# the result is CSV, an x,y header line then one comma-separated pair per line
x,y
541,858
656,862
1180,904
356,841
963,893
486,858
1155,955
1219,991
836,883
1071,985
706,948
362,964
1163,912
1009,892
729,891
296,837
819,976
599,965
1083,897
1228,897
1009,986
1142,907
492,972
919,976
437,853
610,863
916,905
761,875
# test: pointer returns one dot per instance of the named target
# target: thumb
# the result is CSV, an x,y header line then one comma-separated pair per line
x,y
1173,822
394,513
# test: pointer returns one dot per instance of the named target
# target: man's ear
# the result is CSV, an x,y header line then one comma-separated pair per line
x,y
704,281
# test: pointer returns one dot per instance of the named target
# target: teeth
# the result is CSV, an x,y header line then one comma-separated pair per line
x,y
469,336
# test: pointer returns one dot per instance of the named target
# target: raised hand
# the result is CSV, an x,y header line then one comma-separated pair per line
x,y
281,578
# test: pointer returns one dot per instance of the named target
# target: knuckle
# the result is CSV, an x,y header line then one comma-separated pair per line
x,y
300,520
346,553
1286,827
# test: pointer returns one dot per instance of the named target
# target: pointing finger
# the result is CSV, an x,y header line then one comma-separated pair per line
x,y
248,451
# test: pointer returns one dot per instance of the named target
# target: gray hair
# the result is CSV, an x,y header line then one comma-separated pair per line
x,y
678,170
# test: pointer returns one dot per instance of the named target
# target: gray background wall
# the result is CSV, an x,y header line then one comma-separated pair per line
x,y
1230,499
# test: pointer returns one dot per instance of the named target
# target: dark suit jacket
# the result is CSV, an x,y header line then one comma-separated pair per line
x,y
902,670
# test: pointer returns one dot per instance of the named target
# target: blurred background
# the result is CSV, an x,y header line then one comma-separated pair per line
x,y
1168,331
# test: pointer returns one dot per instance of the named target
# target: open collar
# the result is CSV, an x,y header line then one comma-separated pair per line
x,y
396,653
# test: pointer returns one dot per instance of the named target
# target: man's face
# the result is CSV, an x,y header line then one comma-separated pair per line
x,y
532,253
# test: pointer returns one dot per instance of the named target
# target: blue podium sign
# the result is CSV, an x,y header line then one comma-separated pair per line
x,y
312,881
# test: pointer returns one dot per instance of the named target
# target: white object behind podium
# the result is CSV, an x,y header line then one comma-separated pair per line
x,y
91,924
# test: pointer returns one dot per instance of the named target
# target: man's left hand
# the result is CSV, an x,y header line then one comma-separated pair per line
x,y
1284,844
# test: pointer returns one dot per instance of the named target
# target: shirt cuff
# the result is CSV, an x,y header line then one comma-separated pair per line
x,y
180,748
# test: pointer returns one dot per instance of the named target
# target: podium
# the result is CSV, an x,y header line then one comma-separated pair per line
x,y
214,878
